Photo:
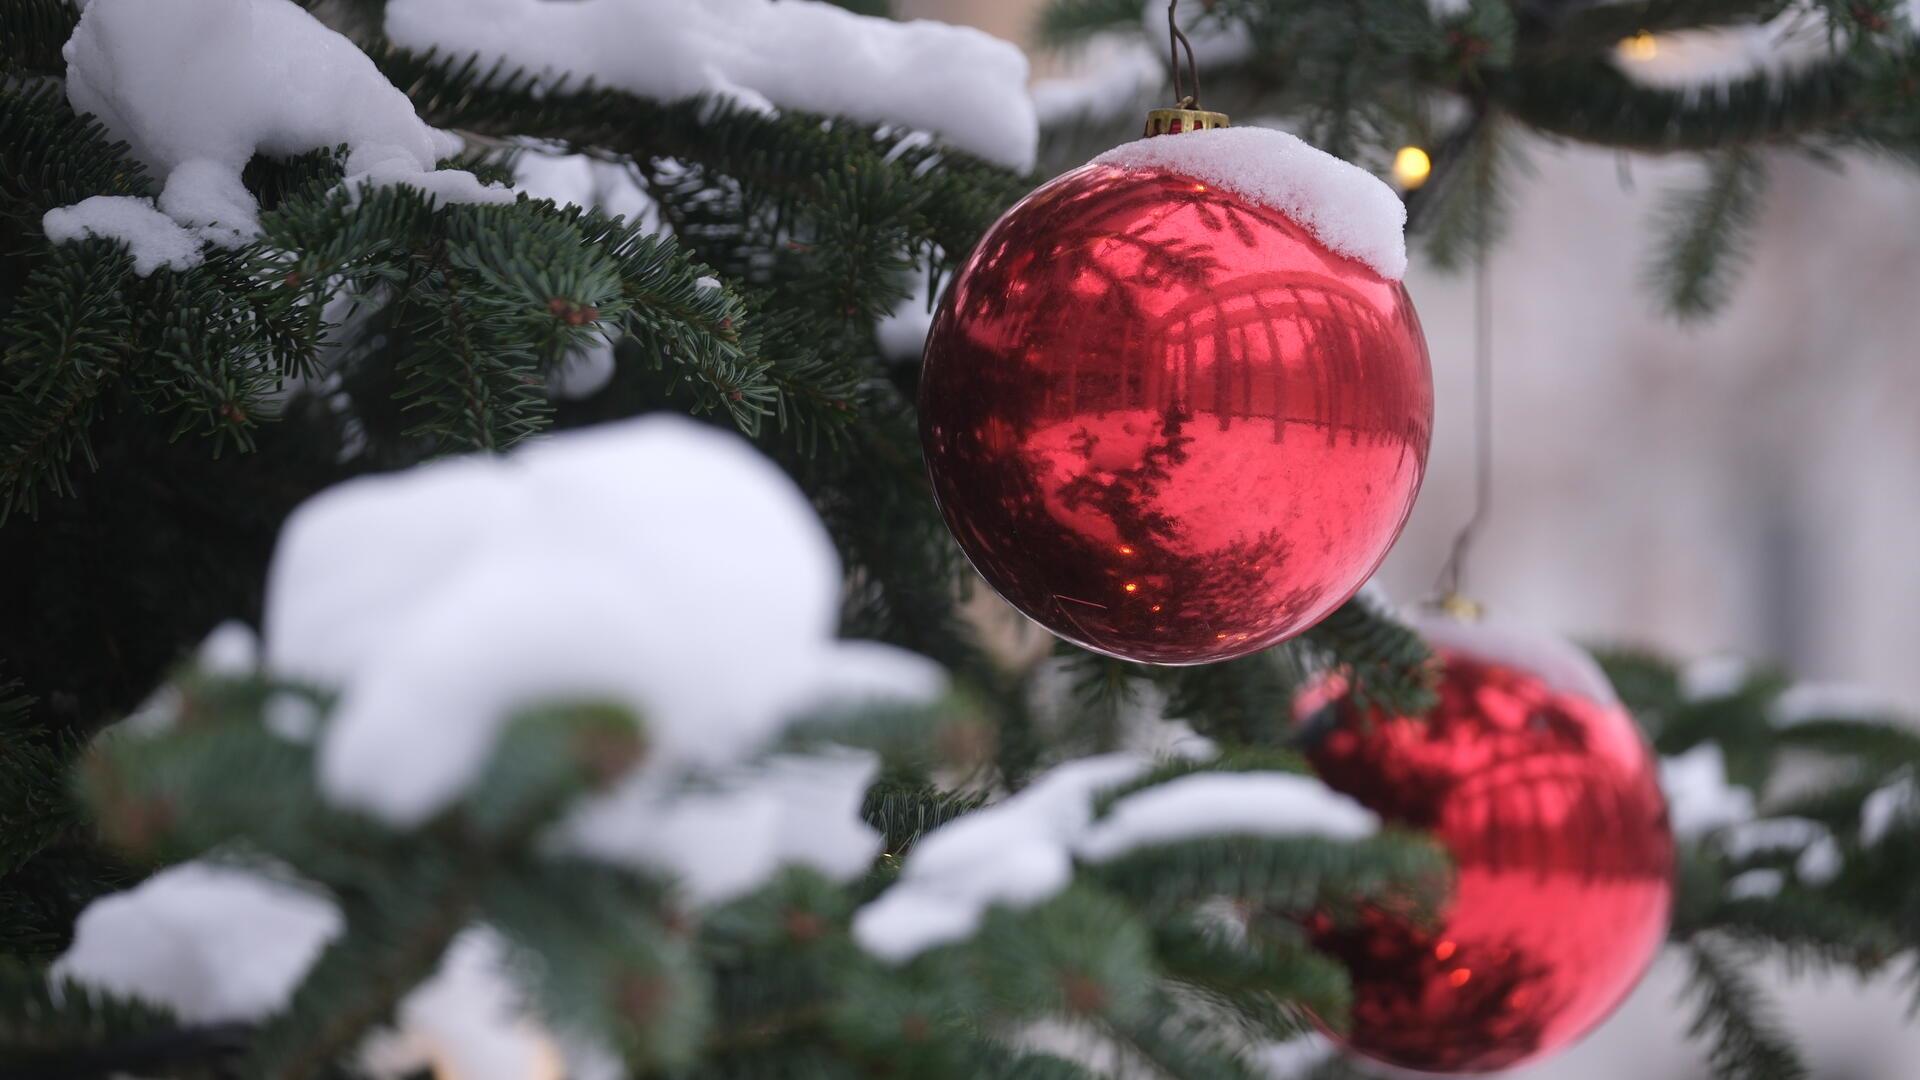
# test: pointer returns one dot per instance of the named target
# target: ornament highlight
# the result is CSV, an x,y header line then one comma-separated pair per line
x,y
1170,421
1539,785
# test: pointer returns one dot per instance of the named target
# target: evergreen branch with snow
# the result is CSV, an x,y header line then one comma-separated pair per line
x,y
1363,79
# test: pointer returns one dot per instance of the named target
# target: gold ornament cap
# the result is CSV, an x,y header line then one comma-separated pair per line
x,y
1182,119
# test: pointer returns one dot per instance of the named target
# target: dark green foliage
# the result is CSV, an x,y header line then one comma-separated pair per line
x,y
1386,664
1363,78
1710,227
1731,1013
155,432
31,34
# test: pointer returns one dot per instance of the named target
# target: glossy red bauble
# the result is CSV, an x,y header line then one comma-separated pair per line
x,y
1166,422
1538,784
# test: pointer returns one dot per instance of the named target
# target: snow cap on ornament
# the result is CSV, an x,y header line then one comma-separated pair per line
x,y
1176,404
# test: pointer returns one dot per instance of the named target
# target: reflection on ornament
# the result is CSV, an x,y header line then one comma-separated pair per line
x,y
1411,167
1166,422
1541,789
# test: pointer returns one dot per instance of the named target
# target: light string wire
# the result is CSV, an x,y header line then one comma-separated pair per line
x,y
1453,572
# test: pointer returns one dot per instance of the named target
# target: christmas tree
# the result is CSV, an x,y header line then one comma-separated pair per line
x,y
475,606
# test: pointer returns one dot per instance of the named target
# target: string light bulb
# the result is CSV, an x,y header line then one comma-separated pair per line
x,y
1641,46
1411,167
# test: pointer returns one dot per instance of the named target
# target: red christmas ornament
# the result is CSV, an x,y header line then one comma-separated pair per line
x,y
1540,786
1165,420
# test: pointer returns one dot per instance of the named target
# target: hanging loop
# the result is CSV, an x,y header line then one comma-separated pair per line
x,y
1176,41
1186,114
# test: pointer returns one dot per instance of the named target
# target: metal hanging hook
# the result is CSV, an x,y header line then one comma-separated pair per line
x,y
1176,41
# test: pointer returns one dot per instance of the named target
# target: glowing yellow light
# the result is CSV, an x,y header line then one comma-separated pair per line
x,y
1411,166
1199,187
1155,607
1460,976
1126,549
1641,46
1131,587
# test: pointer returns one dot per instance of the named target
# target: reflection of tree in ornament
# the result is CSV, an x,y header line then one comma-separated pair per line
x,y
1166,422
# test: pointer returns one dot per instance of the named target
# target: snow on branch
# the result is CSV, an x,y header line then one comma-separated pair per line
x,y
1021,851
959,83
198,87
212,943
637,564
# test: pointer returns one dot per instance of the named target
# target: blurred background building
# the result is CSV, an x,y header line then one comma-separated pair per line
x,y
1749,485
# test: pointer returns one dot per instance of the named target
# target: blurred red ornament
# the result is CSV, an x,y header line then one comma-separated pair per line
x,y
1168,423
1541,788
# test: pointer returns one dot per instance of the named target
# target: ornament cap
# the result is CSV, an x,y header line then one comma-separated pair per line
x,y
1461,608
1177,120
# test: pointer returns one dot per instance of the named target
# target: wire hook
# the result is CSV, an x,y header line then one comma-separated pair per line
x,y
1176,41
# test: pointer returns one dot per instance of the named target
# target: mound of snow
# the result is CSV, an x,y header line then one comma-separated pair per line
x,y
212,943
640,563
964,85
198,87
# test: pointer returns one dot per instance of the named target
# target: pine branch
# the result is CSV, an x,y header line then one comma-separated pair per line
x,y
782,158
52,157
1387,666
1570,29
64,1031
1594,103
1297,874
1463,208
1240,702
1729,1010
67,342
1806,930
905,810
1711,230
32,33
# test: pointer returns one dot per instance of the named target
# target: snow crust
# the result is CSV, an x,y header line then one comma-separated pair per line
x,y
198,87
1745,839
466,1021
1021,851
632,563
1345,207
1016,852
232,649
1892,804
212,943
152,238
1756,884
1699,799
1820,863
960,83
1553,659
1714,677
787,811
1214,804
1819,860
1828,701
1706,60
